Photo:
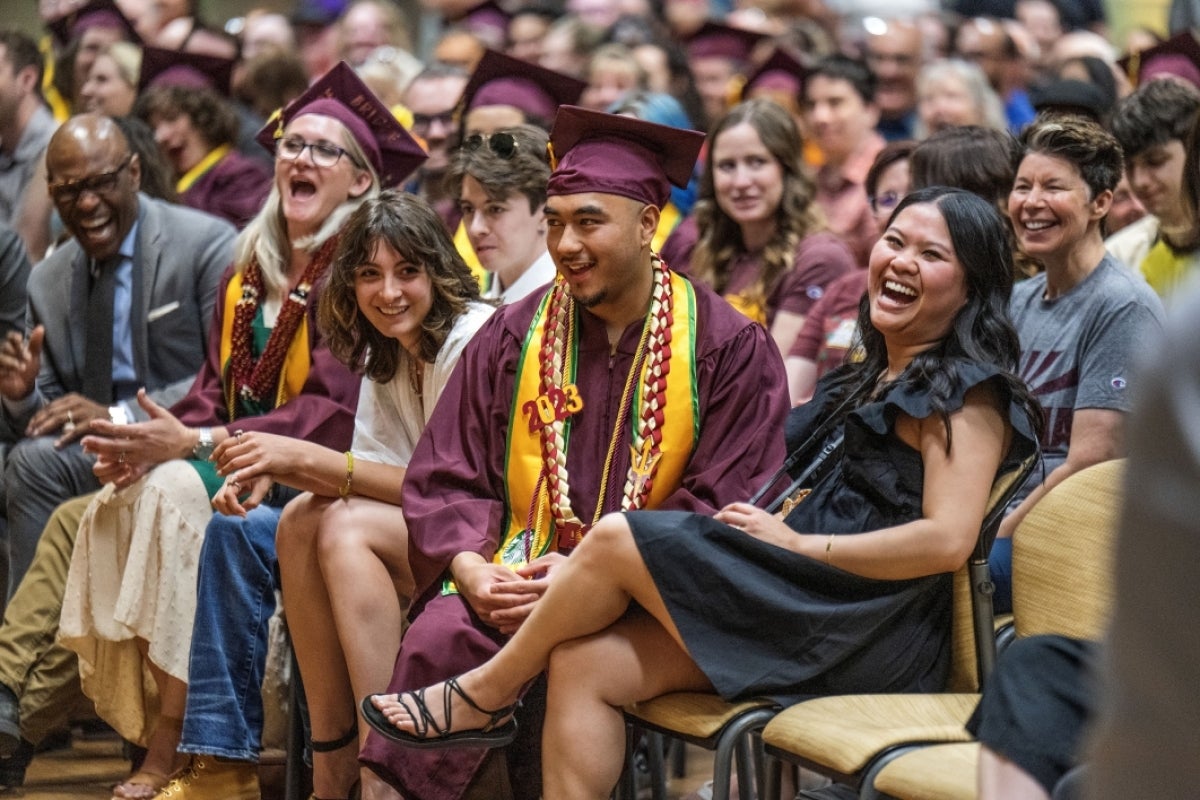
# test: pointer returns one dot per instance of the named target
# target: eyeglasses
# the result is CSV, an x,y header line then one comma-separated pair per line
x,y
502,144
69,192
423,122
323,154
885,202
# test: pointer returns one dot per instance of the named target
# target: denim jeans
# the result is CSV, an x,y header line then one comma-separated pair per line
x,y
234,603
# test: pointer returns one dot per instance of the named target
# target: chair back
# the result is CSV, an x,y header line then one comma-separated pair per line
x,y
972,605
1063,556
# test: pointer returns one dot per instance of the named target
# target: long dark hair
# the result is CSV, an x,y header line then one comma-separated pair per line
x,y
413,230
981,330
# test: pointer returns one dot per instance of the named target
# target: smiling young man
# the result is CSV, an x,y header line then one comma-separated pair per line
x,y
1153,125
840,114
623,386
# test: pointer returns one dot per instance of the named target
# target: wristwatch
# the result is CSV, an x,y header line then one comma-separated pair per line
x,y
204,448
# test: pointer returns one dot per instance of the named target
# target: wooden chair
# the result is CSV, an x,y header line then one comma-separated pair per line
x,y
841,736
1062,584
731,729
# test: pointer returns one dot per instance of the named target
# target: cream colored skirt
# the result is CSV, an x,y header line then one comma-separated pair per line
x,y
131,592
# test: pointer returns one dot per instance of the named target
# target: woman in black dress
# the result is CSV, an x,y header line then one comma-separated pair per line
x,y
847,591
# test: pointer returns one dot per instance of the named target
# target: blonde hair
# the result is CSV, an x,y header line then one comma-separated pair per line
x,y
266,237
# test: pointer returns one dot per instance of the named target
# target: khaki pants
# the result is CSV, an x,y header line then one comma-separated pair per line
x,y
43,674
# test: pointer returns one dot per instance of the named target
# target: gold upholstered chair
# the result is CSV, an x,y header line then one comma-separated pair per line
x,y
881,743
731,730
1062,584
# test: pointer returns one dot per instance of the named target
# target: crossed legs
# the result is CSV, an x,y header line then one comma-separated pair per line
x,y
600,655
344,565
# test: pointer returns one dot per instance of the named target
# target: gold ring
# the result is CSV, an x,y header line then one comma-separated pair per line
x,y
238,435
70,417
121,457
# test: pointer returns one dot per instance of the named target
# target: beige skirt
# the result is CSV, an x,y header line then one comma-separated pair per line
x,y
131,592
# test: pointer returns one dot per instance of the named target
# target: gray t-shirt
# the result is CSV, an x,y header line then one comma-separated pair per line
x,y
1077,350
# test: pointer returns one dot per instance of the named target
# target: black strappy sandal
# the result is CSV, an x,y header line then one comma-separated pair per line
x,y
500,729
331,745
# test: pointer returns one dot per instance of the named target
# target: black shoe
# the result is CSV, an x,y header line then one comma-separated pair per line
x,y
12,769
10,722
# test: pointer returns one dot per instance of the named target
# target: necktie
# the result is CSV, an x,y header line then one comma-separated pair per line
x,y
98,352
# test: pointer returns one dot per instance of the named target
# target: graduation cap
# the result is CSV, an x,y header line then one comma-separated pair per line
x,y
94,14
342,95
319,13
614,154
500,80
1071,96
781,72
715,40
190,70
1178,56
488,21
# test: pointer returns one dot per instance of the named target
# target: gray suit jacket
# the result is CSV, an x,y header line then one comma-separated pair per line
x,y
179,258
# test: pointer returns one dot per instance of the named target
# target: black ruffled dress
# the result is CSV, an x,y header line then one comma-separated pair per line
x,y
763,621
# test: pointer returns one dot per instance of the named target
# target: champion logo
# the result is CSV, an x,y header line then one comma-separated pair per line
x,y
1118,383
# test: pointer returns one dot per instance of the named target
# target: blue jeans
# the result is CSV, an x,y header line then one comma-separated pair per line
x,y
1000,565
234,603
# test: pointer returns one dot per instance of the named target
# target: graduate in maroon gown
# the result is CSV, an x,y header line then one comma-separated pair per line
x,y
185,102
622,387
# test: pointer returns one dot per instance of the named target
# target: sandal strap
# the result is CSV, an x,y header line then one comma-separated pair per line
x,y
494,717
330,745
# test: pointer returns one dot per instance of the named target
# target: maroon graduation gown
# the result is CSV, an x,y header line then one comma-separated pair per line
x,y
453,491
234,189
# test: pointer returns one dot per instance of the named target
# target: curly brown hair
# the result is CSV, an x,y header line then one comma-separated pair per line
x,y
796,217
413,230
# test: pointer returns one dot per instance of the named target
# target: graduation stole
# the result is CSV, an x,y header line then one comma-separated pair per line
x,y
189,178
748,308
538,514
296,361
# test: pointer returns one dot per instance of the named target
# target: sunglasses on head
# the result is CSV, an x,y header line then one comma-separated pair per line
x,y
504,145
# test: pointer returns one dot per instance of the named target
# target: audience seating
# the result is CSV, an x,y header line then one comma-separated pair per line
x,y
1062,584
732,729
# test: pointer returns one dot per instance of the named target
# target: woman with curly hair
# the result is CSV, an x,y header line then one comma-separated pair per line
x,y
400,307
756,234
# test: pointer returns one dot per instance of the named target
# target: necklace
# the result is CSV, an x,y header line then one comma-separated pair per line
x,y
651,360
253,380
416,378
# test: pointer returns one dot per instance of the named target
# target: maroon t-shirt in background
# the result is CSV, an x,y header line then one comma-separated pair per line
x,y
830,327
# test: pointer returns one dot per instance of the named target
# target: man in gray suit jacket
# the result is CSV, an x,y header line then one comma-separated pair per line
x,y
140,271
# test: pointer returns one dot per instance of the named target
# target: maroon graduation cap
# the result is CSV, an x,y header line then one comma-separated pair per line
x,y
503,80
342,95
614,154
94,14
190,70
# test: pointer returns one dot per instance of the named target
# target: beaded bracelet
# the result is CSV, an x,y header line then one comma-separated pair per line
x,y
345,490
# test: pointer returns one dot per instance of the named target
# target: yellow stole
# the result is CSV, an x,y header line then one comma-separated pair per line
x,y
296,363
523,459
463,245
202,166
668,219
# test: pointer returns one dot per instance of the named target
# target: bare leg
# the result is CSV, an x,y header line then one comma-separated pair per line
x,y
590,680
1001,778
162,756
362,550
344,567
590,592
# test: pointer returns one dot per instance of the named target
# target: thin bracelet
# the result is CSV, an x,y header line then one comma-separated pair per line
x,y
828,548
345,490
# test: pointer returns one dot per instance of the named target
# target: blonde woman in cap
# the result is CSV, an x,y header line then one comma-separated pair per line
x,y
131,590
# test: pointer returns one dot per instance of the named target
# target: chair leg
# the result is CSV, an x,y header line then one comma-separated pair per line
x,y
772,778
679,758
744,756
728,742
626,788
656,743
293,781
